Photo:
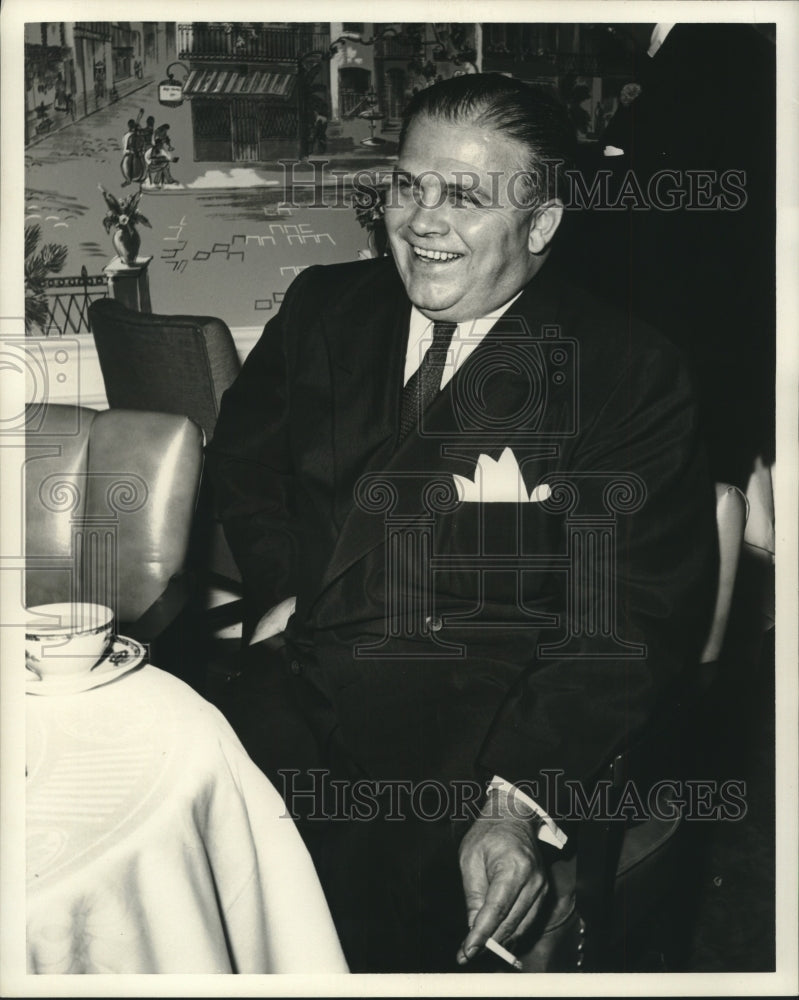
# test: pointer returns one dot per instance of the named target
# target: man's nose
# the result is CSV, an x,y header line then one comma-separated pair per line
x,y
430,215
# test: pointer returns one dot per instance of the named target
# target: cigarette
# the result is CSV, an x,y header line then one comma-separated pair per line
x,y
497,948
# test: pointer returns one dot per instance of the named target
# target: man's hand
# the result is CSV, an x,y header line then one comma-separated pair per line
x,y
503,873
274,621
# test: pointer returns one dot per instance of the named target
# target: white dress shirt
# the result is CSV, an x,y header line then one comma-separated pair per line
x,y
466,337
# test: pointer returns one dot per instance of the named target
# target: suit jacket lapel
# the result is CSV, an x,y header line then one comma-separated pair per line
x,y
423,455
367,351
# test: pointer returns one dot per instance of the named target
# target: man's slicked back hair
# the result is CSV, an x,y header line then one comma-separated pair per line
x,y
533,116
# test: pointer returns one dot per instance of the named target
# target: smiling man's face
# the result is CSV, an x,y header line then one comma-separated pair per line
x,y
462,241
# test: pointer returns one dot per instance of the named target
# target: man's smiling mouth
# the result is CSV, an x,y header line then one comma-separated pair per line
x,y
439,256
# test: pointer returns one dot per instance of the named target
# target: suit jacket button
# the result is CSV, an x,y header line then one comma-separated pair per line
x,y
295,667
435,624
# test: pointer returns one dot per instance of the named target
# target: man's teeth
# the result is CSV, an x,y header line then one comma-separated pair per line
x,y
436,254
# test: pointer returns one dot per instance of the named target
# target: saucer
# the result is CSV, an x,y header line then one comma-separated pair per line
x,y
121,656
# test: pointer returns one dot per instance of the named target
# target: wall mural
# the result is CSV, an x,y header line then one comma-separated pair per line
x,y
243,144
256,148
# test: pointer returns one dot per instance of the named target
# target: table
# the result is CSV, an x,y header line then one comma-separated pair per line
x,y
155,845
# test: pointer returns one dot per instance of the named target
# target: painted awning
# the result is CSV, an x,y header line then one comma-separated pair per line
x,y
230,82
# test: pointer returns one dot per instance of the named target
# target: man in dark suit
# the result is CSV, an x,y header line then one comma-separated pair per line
x,y
476,503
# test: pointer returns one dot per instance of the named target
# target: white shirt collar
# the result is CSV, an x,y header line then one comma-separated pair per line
x,y
467,336
659,34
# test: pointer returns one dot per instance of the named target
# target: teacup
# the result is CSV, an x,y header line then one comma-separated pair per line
x,y
68,639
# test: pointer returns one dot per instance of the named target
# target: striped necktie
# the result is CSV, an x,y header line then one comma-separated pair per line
x,y
426,380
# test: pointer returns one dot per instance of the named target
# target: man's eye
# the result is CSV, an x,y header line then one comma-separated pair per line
x,y
465,199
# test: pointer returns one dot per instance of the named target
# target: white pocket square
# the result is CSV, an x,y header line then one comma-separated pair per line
x,y
498,482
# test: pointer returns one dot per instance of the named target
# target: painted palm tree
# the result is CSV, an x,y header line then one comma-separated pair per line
x,y
39,264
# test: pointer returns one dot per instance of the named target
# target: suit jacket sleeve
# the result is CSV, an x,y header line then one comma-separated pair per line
x,y
250,464
572,713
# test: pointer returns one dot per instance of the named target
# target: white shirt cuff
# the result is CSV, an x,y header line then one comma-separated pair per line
x,y
549,831
612,151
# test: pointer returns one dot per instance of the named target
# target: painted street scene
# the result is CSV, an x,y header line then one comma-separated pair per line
x,y
206,231
242,141
212,230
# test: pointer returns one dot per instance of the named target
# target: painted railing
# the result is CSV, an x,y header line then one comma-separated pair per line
x,y
238,41
68,300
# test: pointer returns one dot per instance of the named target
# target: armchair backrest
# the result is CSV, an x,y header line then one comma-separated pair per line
x,y
109,501
731,515
607,852
168,364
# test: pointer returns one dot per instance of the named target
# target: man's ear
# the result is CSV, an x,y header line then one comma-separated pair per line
x,y
543,225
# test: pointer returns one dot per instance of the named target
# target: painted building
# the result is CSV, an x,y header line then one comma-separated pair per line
x,y
377,67
266,91
254,87
74,68
584,63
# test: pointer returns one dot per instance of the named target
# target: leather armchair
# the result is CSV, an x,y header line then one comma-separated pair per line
x,y
109,502
175,364
168,364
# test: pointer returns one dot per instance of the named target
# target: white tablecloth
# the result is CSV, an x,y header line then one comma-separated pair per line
x,y
155,845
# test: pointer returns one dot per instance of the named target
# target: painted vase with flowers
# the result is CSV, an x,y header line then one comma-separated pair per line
x,y
123,217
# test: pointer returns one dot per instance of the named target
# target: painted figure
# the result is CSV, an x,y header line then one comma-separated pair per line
x,y
60,94
133,166
318,136
158,159
145,134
